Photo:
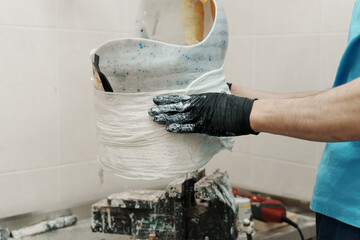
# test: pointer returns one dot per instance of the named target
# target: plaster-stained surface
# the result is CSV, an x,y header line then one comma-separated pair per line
x,y
81,231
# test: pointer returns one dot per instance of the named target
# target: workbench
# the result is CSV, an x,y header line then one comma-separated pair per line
x,y
81,231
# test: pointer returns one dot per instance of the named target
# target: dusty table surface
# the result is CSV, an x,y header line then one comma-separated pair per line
x,y
81,231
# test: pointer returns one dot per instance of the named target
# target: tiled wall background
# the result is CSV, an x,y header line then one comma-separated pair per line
x,y
47,140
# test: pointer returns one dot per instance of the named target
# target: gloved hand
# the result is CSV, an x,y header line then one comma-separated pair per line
x,y
215,114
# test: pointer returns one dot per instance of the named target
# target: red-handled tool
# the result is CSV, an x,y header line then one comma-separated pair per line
x,y
267,210
264,209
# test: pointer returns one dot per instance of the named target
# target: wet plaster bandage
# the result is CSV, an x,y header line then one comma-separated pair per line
x,y
131,145
135,70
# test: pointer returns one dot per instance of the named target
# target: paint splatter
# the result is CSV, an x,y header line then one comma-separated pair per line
x,y
141,46
209,58
139,70
138,90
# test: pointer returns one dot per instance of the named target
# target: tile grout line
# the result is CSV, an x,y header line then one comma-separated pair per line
x,y
125,33
282,161
314,34
254,75
80,30
58,166
127,19
321,61
58,101
322,17
275,159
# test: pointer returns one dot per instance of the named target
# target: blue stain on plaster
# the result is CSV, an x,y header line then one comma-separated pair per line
x,y
151,53
177,82
108,61
182,84
115,71
139,69
138,90
179,51
210,58
141,46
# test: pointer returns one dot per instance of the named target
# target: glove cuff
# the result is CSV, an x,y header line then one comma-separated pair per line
x,y
243,111
251,130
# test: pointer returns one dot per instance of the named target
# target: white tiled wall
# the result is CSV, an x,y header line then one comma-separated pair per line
x,y
47,140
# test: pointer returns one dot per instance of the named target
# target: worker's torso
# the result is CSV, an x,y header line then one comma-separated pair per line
x,y
337,188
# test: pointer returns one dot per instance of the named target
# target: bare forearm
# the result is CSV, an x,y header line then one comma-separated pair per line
x,y
252,93
330,116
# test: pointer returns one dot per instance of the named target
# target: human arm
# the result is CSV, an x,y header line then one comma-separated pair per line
x,y
327,116
252,93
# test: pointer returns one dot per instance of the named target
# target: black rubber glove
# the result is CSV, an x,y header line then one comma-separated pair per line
x,y
215,114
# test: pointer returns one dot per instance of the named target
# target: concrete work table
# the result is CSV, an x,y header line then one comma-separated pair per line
x,y
81,231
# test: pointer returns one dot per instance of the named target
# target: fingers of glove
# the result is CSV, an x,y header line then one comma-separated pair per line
x,y
175,118
169,99
182,128
175,107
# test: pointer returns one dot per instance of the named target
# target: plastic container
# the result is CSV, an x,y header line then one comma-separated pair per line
x,y
244,208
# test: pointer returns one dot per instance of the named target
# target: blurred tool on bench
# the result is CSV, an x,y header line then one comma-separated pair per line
x,y
267,210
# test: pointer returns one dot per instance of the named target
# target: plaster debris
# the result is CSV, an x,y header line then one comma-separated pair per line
x,y
44,226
